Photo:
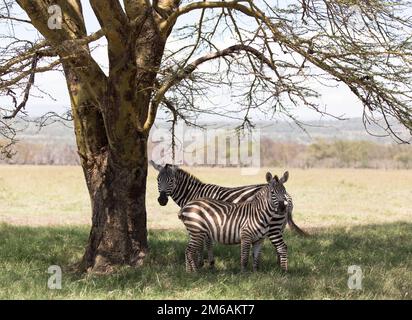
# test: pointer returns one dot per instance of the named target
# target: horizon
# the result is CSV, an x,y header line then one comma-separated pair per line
x,y
285,129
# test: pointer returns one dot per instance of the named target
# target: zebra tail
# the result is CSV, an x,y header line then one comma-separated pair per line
x,y
293,226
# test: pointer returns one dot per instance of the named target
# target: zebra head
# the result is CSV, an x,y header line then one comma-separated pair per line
x,y
165,181
278,191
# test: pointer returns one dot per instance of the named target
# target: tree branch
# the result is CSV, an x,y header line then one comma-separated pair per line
x,y
64,40
115,24
235,4
22,105
161,11
135,8
186,71
14,19
22,75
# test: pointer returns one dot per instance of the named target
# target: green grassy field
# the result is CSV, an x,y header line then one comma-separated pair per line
x,y
356,217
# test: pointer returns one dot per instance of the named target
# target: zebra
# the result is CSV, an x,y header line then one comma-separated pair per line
x,y
246,223
182,187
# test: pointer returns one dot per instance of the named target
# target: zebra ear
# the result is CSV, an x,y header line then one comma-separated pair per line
x,y
285,177
268,177
158,167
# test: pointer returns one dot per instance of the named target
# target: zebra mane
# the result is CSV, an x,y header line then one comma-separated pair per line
x,y
183,173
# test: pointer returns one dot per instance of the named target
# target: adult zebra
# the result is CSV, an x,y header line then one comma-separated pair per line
x,y
246,223
183,187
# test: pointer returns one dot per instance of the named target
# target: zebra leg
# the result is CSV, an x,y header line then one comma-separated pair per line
x,y
192,252
283,256
188,258
188,263
273,236
282,252
200,258
276,238
208,245
209,248
245,243
256,250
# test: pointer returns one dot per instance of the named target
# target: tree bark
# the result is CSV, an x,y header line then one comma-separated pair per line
x,y
117,192
114,161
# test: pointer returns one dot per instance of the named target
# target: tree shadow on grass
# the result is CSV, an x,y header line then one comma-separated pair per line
x,y
369,244
316,263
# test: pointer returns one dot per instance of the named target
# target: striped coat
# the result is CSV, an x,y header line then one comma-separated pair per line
x,y
247,223
183,187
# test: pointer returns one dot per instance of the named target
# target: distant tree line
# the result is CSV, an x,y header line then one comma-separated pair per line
x,y
319,154
336,154
36,153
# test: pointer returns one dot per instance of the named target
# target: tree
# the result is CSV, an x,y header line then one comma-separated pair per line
x,y
274,53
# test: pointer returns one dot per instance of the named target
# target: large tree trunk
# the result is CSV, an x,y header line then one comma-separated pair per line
x,y
109,115
117,193
113,150
115,170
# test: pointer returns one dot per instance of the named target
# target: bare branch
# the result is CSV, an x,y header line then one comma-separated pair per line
x,y
185,72
3,17
26,90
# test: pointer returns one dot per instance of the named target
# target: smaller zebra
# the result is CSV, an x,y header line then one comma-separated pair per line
x,y
246,223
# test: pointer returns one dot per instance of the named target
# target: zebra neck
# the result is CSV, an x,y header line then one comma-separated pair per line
x,y
186,185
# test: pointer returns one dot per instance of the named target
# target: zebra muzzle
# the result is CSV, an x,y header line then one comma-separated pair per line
x,y
162,199
283,205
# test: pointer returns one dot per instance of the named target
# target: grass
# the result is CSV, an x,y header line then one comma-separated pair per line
x,y
357,217
318,267
55,195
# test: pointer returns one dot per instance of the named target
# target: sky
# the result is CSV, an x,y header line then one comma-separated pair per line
x,y
338,101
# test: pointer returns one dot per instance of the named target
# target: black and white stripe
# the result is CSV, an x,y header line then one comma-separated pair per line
x,y
183,187
247,223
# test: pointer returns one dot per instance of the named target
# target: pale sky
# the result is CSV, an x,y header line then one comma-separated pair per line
x,y
338,101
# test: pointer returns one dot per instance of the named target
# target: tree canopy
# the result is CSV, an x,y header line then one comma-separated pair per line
x,y
278,51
